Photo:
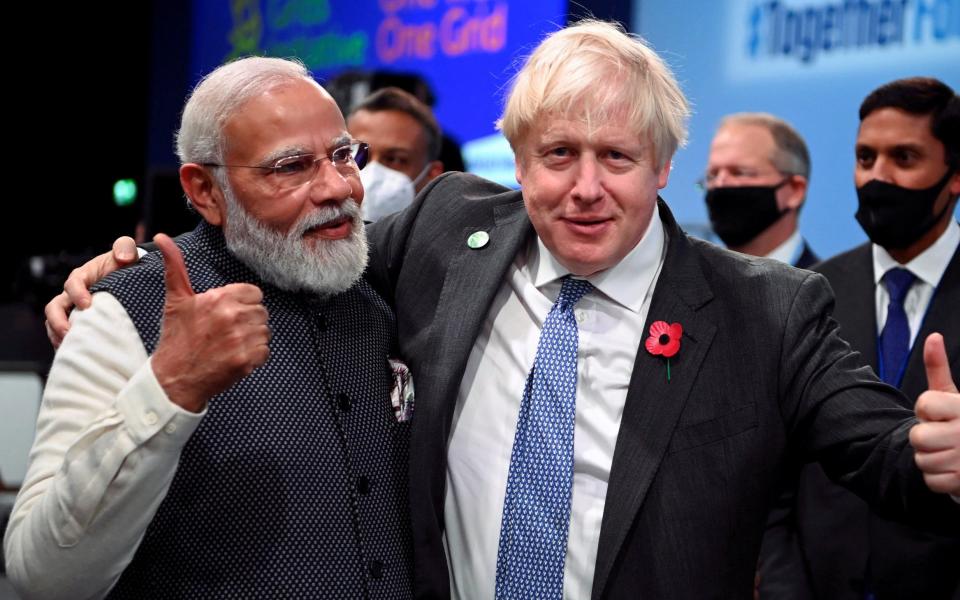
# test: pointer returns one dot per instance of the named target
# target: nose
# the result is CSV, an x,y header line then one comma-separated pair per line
x,y
329,183
588,186
882,169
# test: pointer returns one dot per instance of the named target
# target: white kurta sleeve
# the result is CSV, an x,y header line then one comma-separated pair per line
x,y
107,446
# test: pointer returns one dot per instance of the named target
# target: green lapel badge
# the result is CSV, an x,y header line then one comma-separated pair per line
x,y
478,239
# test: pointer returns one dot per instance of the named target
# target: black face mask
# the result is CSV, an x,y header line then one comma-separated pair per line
x,y
896,217
739,214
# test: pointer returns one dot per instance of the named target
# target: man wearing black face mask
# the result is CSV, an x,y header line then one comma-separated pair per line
x,y
907,179
756,183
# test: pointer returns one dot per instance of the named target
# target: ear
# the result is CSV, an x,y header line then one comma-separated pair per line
x,y
204,193
664,174
436,169
954,184
795,191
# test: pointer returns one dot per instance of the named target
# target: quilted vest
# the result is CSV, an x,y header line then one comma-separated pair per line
x,y
295,483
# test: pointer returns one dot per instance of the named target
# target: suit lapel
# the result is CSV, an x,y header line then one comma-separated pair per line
x,y
472,280
942,316
856,308
654,405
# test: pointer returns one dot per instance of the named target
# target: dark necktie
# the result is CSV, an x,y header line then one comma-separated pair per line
x,y
536,508
895,337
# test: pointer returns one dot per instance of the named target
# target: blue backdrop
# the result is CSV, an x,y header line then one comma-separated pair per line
x,y
810,62
465,48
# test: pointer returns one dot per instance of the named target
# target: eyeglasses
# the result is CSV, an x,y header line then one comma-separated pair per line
x,y
294,171
737,175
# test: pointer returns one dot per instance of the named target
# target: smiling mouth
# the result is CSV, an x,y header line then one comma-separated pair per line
x,y
586,222
334,228
588,227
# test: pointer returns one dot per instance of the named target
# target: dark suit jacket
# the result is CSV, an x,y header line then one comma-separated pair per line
x,y
826,539
807,258
761,378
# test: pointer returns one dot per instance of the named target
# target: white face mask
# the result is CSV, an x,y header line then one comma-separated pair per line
x,y
385,191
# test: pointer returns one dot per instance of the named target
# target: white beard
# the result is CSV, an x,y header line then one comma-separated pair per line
x,y
327,267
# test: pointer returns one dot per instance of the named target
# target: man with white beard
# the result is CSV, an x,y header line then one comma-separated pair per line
x,y
218,422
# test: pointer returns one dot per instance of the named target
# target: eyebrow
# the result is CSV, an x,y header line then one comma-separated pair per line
x,y
339,141
919,148
282,153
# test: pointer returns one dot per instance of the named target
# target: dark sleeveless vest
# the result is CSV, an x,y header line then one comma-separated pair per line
x,y
295,483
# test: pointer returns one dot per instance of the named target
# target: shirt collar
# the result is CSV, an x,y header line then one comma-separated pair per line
x,y
626,283
789,251
930,265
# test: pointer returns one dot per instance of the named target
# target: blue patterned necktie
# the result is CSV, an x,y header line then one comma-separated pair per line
x,y
536,509
895,337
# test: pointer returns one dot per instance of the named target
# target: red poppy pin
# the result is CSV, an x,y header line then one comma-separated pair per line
x,y
664,340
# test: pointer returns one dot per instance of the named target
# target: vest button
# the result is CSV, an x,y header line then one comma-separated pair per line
x,y
375,567
363,485
343,401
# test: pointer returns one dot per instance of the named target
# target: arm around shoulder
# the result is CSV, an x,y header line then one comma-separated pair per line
x,y
106,449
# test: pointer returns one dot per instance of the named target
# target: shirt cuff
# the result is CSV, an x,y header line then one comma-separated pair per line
x,y
148,411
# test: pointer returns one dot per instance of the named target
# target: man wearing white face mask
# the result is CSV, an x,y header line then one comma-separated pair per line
x,y
404,139
388,191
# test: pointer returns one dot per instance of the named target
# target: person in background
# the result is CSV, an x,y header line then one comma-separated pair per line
x,y
756,183
404,143
892,292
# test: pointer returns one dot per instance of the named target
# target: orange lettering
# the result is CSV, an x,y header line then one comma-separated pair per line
x,y
393,6
494,32
396,40
453,40
462,34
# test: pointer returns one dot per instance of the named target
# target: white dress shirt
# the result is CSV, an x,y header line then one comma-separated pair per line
x,y
789,251
611,329
107,446
928,268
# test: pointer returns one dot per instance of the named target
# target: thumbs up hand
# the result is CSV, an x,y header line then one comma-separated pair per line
x,y
936,439
208,341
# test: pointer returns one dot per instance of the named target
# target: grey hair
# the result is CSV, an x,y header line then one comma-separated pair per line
x,y
790,153
599,69
219,94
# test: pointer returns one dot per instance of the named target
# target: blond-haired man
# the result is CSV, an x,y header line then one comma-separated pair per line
x,y
698,373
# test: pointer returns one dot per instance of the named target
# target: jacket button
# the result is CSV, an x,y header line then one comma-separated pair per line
x,y
375,567
343,401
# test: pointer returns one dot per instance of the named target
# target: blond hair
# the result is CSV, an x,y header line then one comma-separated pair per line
x,y
597,69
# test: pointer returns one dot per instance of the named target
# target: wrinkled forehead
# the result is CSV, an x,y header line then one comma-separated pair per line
x,y
591,121
295,115
288,98
742,142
